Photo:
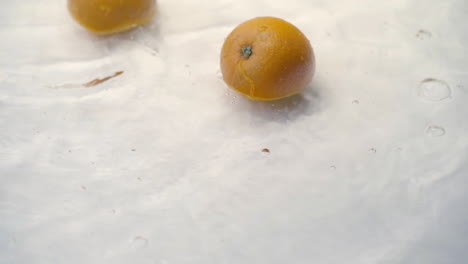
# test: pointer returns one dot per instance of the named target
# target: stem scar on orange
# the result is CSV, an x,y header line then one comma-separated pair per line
x,y
267,58
111,16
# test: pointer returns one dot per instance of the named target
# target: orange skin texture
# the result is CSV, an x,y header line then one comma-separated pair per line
x,y
111,16
281,64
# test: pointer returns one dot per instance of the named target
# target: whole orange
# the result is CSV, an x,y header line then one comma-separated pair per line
x,y
111,16
267,58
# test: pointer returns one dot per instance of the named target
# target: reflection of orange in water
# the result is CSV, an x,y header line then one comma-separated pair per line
x,y
267,58
111,16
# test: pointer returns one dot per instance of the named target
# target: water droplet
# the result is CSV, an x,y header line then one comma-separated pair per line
x,y
372,150
262,28
140,242
435,131
462,88
152,51
423,34
355,102
434,90
333,167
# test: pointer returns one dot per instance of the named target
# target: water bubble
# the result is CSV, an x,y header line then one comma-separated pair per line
x,y
355,102
372,150
434,90
333,167
219,74
435,131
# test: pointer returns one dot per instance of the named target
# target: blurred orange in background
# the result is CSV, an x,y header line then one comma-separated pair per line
x,y
111,16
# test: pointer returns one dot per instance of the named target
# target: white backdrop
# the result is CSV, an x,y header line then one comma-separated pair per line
x,y
164,165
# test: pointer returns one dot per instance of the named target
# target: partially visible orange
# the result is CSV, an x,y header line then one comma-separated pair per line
x,y
267,58
111,16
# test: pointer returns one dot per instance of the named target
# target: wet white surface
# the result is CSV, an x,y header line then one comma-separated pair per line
x,y
163,164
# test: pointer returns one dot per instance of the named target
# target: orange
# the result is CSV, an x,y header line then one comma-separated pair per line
x,y
267,58
111,16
